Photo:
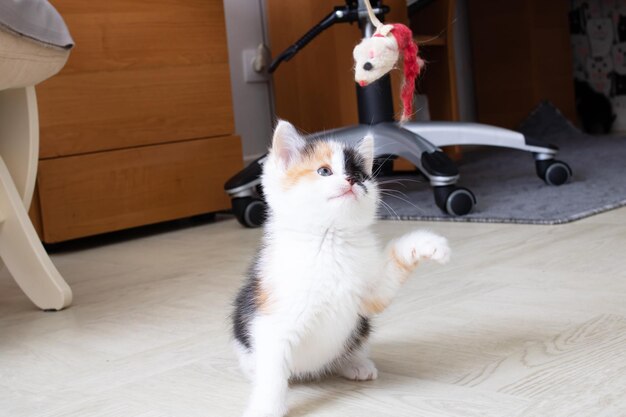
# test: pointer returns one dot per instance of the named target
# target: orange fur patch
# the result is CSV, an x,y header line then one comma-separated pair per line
x,y
307,168
374,305
323,152
404,267
262,298
297,173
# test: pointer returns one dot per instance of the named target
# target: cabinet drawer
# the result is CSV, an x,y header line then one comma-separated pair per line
x,y
95,193
142,72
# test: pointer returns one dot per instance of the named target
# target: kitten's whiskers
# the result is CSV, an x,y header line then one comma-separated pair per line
x,y
389,209
389,193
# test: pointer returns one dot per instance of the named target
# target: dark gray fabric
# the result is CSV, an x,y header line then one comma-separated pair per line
x,y
35,19
509,191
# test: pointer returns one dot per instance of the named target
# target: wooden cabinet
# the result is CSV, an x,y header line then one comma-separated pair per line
x,y
138,127
433,26
521,55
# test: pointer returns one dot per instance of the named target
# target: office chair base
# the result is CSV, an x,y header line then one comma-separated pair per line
x,y
418,143
456,201
249,211
440,134
553,172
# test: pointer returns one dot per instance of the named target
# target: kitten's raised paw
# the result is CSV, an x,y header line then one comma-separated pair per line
x,y
420,245
359,370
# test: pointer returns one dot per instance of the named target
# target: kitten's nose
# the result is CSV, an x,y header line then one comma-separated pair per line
x,y
351,180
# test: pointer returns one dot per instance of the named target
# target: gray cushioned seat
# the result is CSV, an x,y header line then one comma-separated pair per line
x,y
35,19
34,42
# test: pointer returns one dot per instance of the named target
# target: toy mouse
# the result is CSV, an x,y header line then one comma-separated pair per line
x,y
376,56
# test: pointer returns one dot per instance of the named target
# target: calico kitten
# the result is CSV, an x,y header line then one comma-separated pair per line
x,y
320,276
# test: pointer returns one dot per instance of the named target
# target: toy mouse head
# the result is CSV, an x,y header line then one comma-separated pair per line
x,y
373,58
376,56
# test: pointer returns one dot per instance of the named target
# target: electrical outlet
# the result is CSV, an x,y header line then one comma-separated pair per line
x,y
249,56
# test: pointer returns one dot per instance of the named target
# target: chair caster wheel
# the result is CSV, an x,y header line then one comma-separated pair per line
x,y
553,172
456,201
250,212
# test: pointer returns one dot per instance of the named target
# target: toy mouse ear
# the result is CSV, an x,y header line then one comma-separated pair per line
x,y
286,143
366,150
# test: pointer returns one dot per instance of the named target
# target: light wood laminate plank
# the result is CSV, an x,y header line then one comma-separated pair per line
x,y
526,321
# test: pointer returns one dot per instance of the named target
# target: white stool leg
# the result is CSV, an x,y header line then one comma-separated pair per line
x,y
19,138
20,248
24,255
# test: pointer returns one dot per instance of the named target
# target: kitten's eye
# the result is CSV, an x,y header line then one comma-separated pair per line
x,y
325,172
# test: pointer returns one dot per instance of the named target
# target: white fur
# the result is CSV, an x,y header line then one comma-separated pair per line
x,y
319,262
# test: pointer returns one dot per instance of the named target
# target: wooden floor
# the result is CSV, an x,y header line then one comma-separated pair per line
x,y
525,321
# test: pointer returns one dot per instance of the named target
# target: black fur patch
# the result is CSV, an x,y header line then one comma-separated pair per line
x,y
359,336
309,148
355,166
246,307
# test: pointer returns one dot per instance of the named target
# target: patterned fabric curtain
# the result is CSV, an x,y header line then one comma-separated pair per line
x,y
598,33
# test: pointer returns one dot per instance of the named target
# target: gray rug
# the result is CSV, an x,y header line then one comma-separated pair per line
x,y
509,191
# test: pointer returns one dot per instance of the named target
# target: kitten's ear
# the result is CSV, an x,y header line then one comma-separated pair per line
x,y
366,150
286,143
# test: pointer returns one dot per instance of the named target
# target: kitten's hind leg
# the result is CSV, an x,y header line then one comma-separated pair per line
x,y
358,366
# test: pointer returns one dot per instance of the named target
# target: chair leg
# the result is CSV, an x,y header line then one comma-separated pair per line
x,y
24,255
19,138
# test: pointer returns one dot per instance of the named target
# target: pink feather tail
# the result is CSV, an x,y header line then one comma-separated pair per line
x,y
412,66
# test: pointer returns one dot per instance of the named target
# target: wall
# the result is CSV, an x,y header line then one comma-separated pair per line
x,y
251,101
521,56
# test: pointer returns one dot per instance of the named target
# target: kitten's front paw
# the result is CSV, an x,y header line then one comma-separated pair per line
x,y
420,245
